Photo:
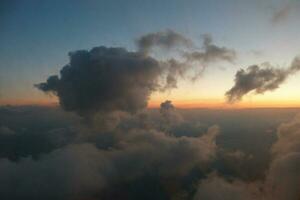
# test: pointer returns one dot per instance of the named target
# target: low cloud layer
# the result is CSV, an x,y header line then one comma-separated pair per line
x,y
285,167
282,179
216,188
260,79
152,154
108,164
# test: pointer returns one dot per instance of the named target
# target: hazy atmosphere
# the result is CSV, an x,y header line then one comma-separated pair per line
x,y
175,100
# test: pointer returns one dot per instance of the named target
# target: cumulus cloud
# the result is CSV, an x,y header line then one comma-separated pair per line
x,y
105,79
70,173
109,79
111,157
83,171
288,138
260,79
119,155
119,145
238,164
123,151
166,106
283,178
170,116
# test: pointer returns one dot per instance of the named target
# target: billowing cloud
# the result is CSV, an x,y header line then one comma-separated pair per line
x,y
105,79
50,154
69,173
166,106
260,79
283,178
288,138
170,116
109,79
83,170
120,146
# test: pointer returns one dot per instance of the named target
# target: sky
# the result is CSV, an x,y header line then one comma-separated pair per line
x,y
36,37
86,72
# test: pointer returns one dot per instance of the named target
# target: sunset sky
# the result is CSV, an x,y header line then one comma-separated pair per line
x,y
36,37
149,99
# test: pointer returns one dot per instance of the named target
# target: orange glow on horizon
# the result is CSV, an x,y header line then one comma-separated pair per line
x,y
218,104
24,102
184,104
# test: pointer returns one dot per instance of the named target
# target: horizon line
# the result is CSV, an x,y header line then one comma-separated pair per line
x,y
181,104
180,107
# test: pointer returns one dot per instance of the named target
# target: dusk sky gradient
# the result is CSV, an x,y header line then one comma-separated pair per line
x,y
149,99
36,37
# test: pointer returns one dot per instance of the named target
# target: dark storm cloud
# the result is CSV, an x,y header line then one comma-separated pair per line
x,y
259,79
212,52
109,79
105,79
165,39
